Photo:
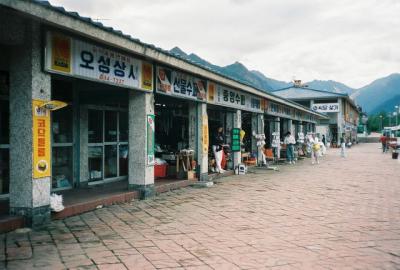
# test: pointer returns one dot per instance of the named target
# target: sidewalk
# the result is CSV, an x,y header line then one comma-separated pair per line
x,y
341,214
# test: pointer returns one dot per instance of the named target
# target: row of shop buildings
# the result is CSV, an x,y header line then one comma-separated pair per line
x,y
342,114
128,105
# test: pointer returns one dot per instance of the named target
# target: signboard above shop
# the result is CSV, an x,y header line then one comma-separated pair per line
x,y
179,84
72,57
325,107
221,95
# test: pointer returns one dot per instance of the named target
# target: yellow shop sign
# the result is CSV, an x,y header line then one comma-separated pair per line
x,y
41,140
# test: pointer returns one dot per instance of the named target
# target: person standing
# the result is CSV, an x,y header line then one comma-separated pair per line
x,y
342,147
383,139
290,141
217,147
323,139
315,148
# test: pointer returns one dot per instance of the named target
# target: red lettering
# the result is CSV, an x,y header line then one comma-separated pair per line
x,y
41,142
41,152
41,132
41,123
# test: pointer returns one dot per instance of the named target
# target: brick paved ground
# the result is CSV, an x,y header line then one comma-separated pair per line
x,y
341,214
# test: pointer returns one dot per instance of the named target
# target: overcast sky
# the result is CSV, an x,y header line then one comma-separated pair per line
x,y
351,41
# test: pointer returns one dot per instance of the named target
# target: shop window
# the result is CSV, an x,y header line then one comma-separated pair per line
x,y
110,161
123,126
95,131
108,157
62,126
62,167
123,160
62,136
111,125
95,163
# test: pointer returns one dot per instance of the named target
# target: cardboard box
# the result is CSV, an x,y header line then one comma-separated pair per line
x,y
191,175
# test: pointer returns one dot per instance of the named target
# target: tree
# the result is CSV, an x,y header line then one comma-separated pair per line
x,y
376,122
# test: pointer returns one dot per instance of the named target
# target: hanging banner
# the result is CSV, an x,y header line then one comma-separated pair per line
x,y
180,84
205,140
41,140
150,139
76,58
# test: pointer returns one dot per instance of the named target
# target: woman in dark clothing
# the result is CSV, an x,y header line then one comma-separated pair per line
x,y
217,146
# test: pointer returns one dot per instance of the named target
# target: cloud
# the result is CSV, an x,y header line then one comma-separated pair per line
x,y
353,42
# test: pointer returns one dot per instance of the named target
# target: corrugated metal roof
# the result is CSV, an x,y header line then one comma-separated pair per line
x,y
306,93
297,93
312,89
75,15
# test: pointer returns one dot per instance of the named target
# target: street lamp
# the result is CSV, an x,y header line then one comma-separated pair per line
x,y
397,114
381,117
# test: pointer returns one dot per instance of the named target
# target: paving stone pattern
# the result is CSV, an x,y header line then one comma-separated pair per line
x,y
340,214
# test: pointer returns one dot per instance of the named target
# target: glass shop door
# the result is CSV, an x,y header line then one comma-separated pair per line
x,y
107,145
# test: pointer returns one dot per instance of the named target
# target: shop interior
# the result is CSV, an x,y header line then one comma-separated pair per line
x,y
175,158
249,155
107,132
220,117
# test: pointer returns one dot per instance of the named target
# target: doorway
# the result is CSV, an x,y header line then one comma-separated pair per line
x,y
107,145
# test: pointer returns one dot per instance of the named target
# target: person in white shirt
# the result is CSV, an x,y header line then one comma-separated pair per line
x,y
342,148
315,148
290,142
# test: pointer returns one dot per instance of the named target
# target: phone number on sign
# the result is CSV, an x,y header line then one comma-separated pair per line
x,y
114,80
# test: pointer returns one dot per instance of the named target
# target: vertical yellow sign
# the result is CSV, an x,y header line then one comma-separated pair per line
x,y
147,76
61,53
205,134
41,140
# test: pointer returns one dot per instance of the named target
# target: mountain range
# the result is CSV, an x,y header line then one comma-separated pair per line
x,y
380,95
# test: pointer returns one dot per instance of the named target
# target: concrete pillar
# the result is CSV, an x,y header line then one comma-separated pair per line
x,y
203,141
140,173
291,127
28,197
340,121
193,125
237,123
83,146
277,128
229,126
277,125
260,130
254,130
